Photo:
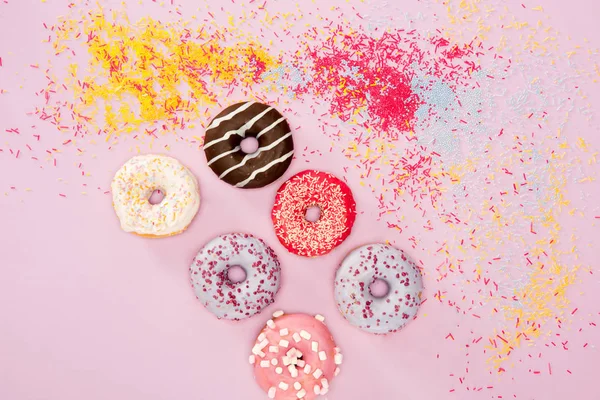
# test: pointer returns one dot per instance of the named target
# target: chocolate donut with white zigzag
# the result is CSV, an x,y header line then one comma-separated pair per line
x,y
223,149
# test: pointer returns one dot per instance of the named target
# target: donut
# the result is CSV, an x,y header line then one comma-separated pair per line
x,y
307,189
134,183
223,297
379,315
223,150
295,357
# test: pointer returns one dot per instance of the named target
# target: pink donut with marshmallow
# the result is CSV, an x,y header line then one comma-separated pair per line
x,y
295,357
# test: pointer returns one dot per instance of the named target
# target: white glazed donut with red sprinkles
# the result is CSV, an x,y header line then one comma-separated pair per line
x,y
235,300
295,357
353,296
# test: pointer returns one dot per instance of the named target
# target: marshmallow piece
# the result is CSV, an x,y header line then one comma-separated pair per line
x,y
252,359
293,371
320,318
317,374
301,393
291,352
257,351
271,392
305,335
271,324
297,338
337,350
336,372
286,360
284,332
297,385
324,383
338,359
324,391
322,356
264,343
261,337
284,343
307,369
279,370
274,361
273,349
278,314
301,363
317,390
265,364
315,346
283,386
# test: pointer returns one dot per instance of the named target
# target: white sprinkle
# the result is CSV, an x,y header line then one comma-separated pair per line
x,y
273,349
291,352
284,343
297,385
296,337
307,369
301,393
317,374
324,383
257,351
283,386
271,324
252,359
301,363
317,389
263,344
271,393
338,359
305,335
293,371
319,317
286,360
277,314
279,370
265,364
274,361
322,356
336,372
315,346
284,332
261,337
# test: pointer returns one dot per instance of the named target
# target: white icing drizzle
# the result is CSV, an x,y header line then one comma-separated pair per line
x,y
268,128
255,154
241,131
265,168
217,121
217,158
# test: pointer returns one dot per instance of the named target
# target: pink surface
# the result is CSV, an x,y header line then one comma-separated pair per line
x,y
88,311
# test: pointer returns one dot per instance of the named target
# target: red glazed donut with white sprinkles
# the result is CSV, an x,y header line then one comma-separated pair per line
x,y
222,296
308,189
363,267
295,357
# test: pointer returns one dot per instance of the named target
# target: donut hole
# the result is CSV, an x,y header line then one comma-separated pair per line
x,y
249,145
156,196
379,288
312,214
236,274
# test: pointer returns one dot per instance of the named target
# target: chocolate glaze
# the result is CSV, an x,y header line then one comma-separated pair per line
x,y
222,145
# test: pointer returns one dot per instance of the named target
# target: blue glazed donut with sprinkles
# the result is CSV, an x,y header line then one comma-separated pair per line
x,y
378,264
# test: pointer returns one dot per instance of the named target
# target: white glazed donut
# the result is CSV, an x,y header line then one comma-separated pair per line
x,y
133,185
353,296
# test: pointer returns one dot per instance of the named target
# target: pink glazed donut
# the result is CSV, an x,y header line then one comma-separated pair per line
x,y
295,357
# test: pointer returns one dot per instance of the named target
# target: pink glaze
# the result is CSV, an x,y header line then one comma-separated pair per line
x,y
268,378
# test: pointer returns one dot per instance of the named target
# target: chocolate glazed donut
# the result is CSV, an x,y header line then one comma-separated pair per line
x,y
224,135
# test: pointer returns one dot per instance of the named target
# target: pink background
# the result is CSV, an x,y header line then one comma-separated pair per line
x,y
90,312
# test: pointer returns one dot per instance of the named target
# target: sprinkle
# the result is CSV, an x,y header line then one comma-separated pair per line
x,y
305,335
283,386
284,343
324,383
315,346
307,369
317,374
317,389
322,356
271,324
284,332
297,385
273,349
265,364
278,314
301,393
279,370
320,318
296,337
274,361
293,371
252,359
337,359
271,392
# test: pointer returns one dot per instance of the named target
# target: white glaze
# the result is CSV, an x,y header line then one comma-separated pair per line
x,y
135,181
